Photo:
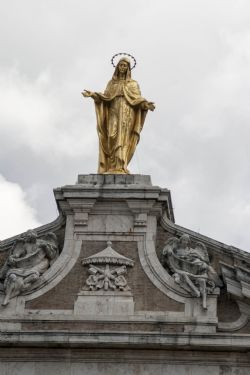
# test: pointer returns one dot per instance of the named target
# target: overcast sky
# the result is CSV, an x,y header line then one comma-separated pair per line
x,y
193,62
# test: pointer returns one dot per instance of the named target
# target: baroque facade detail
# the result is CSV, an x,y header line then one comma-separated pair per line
x,y
75,303
29,258
190,267
107,270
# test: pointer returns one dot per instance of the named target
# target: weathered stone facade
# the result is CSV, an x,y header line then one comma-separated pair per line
x,y
125,291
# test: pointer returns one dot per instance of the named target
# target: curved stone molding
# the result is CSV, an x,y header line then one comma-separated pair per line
x,y
233,326
64,263
154,269
237,281
239,323
236,277
164,281
60,269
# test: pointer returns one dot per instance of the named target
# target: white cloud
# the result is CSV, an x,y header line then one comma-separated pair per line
x,y
16,215
32,114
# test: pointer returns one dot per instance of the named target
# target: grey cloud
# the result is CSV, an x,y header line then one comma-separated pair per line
x,y
193,61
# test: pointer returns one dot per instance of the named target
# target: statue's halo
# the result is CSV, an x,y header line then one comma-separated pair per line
x,y
123,54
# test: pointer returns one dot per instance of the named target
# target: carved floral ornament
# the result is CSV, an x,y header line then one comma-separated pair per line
x,y
190,267
106,270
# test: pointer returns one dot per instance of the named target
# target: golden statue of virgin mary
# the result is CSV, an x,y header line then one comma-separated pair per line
x,y
120,112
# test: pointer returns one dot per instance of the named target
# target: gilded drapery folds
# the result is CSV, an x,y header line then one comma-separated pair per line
x,y
120,112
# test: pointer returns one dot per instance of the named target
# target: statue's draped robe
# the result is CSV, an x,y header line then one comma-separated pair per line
x,y
192,262
120,115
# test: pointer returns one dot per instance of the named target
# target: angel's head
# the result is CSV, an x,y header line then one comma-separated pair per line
x,y
184,241
31,236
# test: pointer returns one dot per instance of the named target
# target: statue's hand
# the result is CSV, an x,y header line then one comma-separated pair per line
x,y
148,106
11,260
167,250
87,93
151,106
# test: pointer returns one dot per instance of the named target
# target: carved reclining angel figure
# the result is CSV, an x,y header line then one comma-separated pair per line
x,y
190,267
29,258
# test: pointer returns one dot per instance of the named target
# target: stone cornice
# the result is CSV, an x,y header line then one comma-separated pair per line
x,y
191,341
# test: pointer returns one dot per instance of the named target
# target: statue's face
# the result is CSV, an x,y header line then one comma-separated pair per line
x,y
30,237
123,67
184,241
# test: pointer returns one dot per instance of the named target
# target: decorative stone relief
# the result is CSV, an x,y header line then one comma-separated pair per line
x,y
110,275
29,258
190,267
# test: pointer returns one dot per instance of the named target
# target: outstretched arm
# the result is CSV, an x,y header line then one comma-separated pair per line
x,y
90,94
87,93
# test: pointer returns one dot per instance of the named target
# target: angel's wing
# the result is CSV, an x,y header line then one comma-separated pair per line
x,y
201,252
17,248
